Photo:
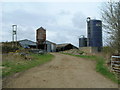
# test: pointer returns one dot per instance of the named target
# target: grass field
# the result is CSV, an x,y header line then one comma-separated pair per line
x,y
15,63
100,66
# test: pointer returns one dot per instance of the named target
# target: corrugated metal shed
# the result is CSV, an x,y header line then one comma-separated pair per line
x,y
50,46
27,43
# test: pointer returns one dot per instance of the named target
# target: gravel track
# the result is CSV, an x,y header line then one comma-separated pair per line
x,y
63,71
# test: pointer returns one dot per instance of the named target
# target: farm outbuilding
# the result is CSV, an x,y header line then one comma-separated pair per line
x,y
66,46
50,46
27,43
41,38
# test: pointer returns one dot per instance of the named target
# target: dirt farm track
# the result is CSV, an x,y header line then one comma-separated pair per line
x,y
62,72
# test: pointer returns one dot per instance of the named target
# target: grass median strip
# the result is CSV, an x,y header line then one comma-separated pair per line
x,y
15,63
100,66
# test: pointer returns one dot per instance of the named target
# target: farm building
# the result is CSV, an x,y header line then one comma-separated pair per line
x,y
27,43
63,47
41,38
50,46
93,42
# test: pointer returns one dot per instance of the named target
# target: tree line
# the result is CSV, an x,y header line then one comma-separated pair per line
x,y
111,24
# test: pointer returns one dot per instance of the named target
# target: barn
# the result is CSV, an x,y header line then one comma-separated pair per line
x,y
50,46
27,43
66,46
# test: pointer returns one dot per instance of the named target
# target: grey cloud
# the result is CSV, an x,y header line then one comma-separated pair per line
x,y
60,38
65,35
23,32
6,32
23,17
28,33
79,20
63,12
28,22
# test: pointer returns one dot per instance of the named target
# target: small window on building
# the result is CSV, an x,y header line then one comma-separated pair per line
x,y
98,24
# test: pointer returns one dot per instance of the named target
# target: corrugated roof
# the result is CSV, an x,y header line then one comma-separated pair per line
x,y
62,45
26,43
50,42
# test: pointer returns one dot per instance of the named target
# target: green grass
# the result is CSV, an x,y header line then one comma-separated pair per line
x,y
14,66
100,66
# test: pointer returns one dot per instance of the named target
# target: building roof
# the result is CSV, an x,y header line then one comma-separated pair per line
x,y
63,45
26,43
50,42
41,28
58,46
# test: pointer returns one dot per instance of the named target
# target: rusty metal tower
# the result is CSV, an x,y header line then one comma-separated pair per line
x,y
41,38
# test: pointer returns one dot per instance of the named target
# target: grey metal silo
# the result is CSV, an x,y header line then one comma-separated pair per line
x,y
94,33
82,41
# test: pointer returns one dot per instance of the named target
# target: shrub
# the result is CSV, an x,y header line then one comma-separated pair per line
x,y
7,49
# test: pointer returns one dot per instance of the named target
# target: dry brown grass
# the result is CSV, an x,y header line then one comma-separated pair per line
x,y
13,63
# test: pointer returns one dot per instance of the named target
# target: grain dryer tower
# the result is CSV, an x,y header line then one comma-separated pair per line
x,y
14,35
41,38
94,33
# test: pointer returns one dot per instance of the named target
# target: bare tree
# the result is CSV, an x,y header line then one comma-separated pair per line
x,y
111,19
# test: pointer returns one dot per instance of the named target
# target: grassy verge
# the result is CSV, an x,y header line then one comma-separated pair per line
x,y
100,66
14,64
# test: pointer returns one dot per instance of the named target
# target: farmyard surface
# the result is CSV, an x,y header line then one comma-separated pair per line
x,y
63,71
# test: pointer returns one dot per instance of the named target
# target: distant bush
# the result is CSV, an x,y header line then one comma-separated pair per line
x,y
7,49
108,49
107,52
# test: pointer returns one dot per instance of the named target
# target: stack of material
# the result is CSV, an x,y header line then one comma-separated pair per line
x,y
74,52
115,63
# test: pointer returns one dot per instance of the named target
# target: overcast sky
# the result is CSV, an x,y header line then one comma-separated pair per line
x,y
64,22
